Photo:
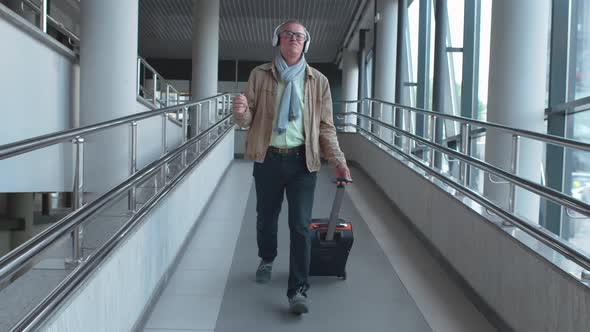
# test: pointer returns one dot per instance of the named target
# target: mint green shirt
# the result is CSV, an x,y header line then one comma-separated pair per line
x,y
294,135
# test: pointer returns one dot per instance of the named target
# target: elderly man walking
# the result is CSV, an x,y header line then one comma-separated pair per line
x,y
287,106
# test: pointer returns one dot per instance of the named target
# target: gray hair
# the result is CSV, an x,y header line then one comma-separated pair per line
x,y
292,21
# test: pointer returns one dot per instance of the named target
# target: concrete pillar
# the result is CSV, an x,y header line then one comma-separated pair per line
x,y
205,49
385,60
517,89
363,88
350,84
108,65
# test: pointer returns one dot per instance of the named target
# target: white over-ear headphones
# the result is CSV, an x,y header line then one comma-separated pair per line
x,y
275,37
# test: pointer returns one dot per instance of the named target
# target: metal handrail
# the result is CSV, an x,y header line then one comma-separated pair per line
x,y
61,293
551,139
165,85
548,193
538,233
39,142
16,259
148,66
569,107
347,101
473,134
58,25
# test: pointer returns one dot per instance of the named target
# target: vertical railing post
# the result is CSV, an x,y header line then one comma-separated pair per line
x,y
198,115
209,121
370,114
138,76
164,133
43,16
465,151
78,193
184,135
133,166
379,132
167,94
407,127
360,106
346,128
393,122
225,104
365,121
226,109
432,139
209,110
514,170
216,115
164,147
79,173
156,89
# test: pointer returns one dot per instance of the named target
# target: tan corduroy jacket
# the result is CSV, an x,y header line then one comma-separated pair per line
x,y
320,133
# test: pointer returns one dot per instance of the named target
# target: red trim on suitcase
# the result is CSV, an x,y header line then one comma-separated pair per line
x,y
322,226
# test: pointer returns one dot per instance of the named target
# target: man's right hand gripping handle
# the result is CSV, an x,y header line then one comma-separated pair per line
x,y
240,104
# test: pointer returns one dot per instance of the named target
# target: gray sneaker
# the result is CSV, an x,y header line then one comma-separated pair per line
x,y
298,303
263,273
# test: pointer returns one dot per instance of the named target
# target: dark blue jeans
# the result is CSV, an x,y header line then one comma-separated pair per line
x,y
280,173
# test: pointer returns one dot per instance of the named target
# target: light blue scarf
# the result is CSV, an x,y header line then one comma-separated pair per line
x,y
290,108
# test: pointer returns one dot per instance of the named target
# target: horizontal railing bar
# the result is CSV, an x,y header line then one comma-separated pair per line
x,y
32,144
473,134
556,140
549,193
148,66
58,25
569,106
17,258
346,101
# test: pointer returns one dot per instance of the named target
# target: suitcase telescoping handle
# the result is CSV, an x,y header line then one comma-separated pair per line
x,y
335,209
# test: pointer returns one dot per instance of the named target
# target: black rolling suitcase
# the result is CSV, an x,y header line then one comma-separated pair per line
x,y
331,240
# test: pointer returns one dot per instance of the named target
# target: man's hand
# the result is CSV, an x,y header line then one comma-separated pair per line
x,y
342,172
240,104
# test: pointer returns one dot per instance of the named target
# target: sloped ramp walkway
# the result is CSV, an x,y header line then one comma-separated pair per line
x,y
371,299
213,287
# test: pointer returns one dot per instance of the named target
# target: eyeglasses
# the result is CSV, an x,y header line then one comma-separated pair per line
x,y
290,34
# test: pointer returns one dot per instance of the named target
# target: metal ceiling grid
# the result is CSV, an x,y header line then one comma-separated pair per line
x,y
245,27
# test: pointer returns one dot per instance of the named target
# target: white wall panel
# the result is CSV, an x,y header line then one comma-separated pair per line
x,y
35,87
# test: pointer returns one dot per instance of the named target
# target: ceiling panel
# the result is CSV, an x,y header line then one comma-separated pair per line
x,y
245,27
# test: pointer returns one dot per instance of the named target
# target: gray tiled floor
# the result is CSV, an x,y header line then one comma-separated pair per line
x,y
185,312
372,298
213,289
193,296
